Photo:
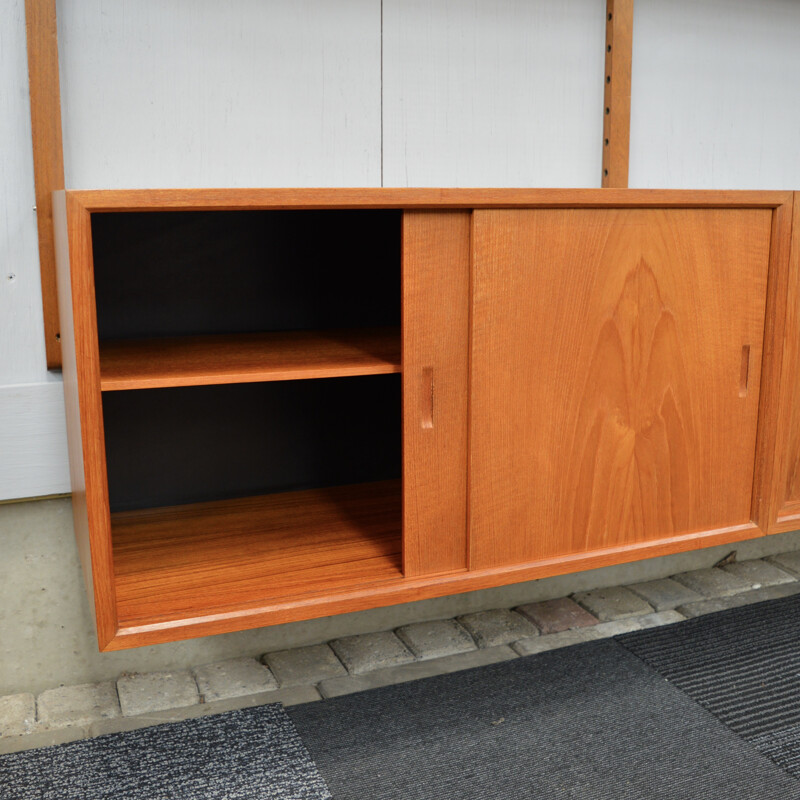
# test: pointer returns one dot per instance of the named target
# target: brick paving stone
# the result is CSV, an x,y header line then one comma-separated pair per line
x,y
142,693
80,705
554,616
233,678
368,651
335,687
498,626
615,602
759,573
788,561
304,665
442,637
741,599
713,582
665,594
17,714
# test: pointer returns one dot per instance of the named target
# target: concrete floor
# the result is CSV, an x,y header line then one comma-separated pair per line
x,y
47,636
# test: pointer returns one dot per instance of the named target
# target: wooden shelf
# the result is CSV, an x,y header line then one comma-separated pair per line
x,y
194,560
247,358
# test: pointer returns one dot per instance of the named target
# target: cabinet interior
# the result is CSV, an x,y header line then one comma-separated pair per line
x,y
251,399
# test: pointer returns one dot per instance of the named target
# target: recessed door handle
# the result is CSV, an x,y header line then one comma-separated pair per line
x,y
744,375
427,397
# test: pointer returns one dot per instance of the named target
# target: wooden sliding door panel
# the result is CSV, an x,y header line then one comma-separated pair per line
x,y
434,363
615,366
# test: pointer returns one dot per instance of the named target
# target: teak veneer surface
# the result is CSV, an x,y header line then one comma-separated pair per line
x,y
116,200
616,359
247,358
163,576
435,388
194,559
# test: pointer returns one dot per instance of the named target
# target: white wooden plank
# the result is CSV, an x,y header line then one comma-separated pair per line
x,y
22,356
715,95
493,92
33,440
209,93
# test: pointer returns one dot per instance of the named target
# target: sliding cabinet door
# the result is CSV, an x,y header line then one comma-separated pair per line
x,y
435,357
614,377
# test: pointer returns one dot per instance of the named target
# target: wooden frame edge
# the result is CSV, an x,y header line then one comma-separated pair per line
x,y
83,400
778,514
121,200
617,93
48,157
411,590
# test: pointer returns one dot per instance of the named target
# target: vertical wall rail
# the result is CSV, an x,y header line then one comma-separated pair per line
x,y
48,158
617,100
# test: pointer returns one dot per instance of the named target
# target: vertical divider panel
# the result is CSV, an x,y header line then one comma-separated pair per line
x,y
436,247
83,401
776,493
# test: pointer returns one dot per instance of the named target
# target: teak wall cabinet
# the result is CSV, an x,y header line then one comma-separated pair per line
x,y
285,404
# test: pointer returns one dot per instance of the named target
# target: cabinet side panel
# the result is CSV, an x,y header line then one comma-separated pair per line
x,y
70,376
781,418
84,408
615,372
435,354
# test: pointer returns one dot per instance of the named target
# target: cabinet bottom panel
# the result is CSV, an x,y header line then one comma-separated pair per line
x,y
304,583
206,558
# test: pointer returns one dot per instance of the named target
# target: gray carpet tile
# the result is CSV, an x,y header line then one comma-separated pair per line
x,y
590,722
254,753
743,665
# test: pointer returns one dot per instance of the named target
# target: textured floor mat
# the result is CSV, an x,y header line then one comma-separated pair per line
x,y
590,722
743,665
254,753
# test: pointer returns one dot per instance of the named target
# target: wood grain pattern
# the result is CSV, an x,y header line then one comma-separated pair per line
x,y
233,199
407,590
247,358
435,351
48,159
623,422
700,238
207,557
617,97
84,409
776,494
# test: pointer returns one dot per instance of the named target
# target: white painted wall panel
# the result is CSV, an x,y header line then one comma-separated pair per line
x,y
493,92
33,445
33,440
22,356
715,94
206,93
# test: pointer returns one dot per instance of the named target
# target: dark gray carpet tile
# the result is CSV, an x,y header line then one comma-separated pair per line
x,y
783,747
254,753
742,664
590,722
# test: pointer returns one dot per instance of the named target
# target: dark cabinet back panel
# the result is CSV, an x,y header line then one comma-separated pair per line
x,y
186,445
184,273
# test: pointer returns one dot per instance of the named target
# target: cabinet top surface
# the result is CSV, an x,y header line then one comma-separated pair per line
x,y
411,198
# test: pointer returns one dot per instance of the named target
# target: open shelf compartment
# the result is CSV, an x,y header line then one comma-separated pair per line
x,y
172,562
